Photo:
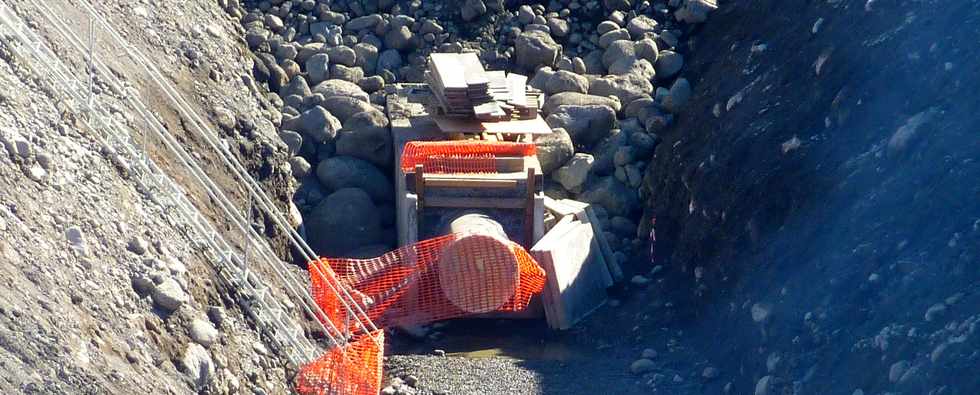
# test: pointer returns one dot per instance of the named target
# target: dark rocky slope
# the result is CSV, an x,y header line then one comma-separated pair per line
x,y
816,204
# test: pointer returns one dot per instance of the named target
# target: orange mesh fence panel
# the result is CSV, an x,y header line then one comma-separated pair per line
x,y
445,277
471,156
351,369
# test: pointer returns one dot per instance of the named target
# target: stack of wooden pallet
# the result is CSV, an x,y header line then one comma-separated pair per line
x,y
462,88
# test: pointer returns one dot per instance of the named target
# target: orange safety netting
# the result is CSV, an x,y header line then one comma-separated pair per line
x,y
351,369
467,156
445,277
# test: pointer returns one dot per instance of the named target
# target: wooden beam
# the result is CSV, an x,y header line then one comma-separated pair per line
x,y
420,193
529,210
447,182
474,202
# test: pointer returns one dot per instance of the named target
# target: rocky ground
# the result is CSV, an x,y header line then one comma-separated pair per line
x,y
811,167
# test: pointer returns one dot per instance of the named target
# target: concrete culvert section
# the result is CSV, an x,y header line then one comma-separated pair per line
x,y
810,170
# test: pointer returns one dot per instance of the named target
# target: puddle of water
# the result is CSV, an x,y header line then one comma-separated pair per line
x,y
520,339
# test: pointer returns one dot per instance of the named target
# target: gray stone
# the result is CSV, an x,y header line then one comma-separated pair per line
x,y
292,140
606,27
300,167
225,118
344,107
641,366
343,222
399,38
614,196
137,245
318,68
559,27
566,81
764,386
669,63
342,54
574,173
372,84
169,296
554,149
316,124
585,124
625,87
678,96
330,88
617,50
349,74
296,86
579,99
631,65
640,25
541,78
390,60
536,48
647,49
197,365
203,333
367,57
472,9
363,22
525,14
615,35
345,172
643,144
624,156
366,136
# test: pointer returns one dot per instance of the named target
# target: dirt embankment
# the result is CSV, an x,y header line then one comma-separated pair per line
x,y
816,204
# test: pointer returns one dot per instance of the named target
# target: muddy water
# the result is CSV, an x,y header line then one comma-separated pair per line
x,y
485,338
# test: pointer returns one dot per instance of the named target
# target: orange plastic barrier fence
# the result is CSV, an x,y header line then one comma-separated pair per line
x,y
469,156
445,277
352,369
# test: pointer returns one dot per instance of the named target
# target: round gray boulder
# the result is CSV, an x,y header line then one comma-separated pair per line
x,y
330,88
366,136
579,99
536,48
554,149
344,221
348,172
566,81
585,124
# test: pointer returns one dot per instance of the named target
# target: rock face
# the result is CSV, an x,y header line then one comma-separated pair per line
x,y
536,48
343,222
585,124
347,172
554,149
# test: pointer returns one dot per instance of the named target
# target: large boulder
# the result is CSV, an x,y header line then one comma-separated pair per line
x,y
669,63
554,149
400,38
678,95
344,107
566,81
342,54
349,172
318,68
316,124
575,172
579,99
366,136
614,35
647,49
473,9
197,365
330,88
585,124
367,57
350,74
625,87
536,48
617,198
343,222
389,60
605,152
640,25
617,50
631,65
